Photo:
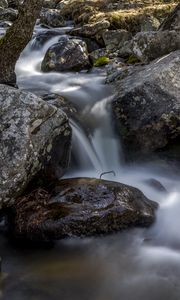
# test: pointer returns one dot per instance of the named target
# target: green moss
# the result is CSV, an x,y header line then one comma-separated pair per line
x,y
132,59
101,61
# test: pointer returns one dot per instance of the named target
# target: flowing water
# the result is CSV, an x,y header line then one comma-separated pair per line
x,y
134,264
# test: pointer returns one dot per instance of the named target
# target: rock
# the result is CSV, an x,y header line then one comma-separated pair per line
x,y
3,3
40,38
98,54
156,185
172,22
62,103
50,3
147,46
150,23
90,30
66,55
52,18
8,14
91,44
147,107
115,39
34,136
81,207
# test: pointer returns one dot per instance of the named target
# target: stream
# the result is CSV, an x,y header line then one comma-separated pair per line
x,y
131,265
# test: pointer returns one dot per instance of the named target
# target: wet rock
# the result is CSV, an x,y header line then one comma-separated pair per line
x,y
66,55
147,46
40,38
172,22
35,136
52,18
8,14
62,103
156,185
115,39
81,207
147,107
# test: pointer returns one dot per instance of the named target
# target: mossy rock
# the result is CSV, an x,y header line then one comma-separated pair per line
x,y
101,61
132,59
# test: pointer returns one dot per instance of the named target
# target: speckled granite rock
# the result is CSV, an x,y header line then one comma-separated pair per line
x,y
34,136
147,105
66,55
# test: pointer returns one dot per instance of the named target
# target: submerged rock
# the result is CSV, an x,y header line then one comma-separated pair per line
x,y
147,106
81,207
90,30
34,136
66,55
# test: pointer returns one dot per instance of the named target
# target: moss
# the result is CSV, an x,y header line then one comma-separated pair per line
x,y
132,59
101,61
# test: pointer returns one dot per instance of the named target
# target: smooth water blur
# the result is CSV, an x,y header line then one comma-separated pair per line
x,y
131,265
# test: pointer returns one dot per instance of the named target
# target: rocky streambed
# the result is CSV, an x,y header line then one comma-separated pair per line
x,y
66,138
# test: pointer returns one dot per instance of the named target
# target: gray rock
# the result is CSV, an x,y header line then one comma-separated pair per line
x,y
52,18
81,207
50,3
90,30
94,55
34,136
150,23
3,3
66,55
147,46
147,106
8,14
115,39
172,22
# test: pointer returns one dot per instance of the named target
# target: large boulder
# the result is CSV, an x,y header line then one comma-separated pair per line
x,y
147,46
172,22
66,55
35,136
80,207
147,105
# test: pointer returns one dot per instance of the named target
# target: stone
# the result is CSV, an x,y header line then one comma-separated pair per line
x,y
66,55
80,207
146,107
3,3
147,46
172,22
94,55
35,136
156,185
52,18
150,23
8,14
115,39
89,30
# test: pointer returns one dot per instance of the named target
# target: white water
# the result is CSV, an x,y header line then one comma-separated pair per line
x,y
138,264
